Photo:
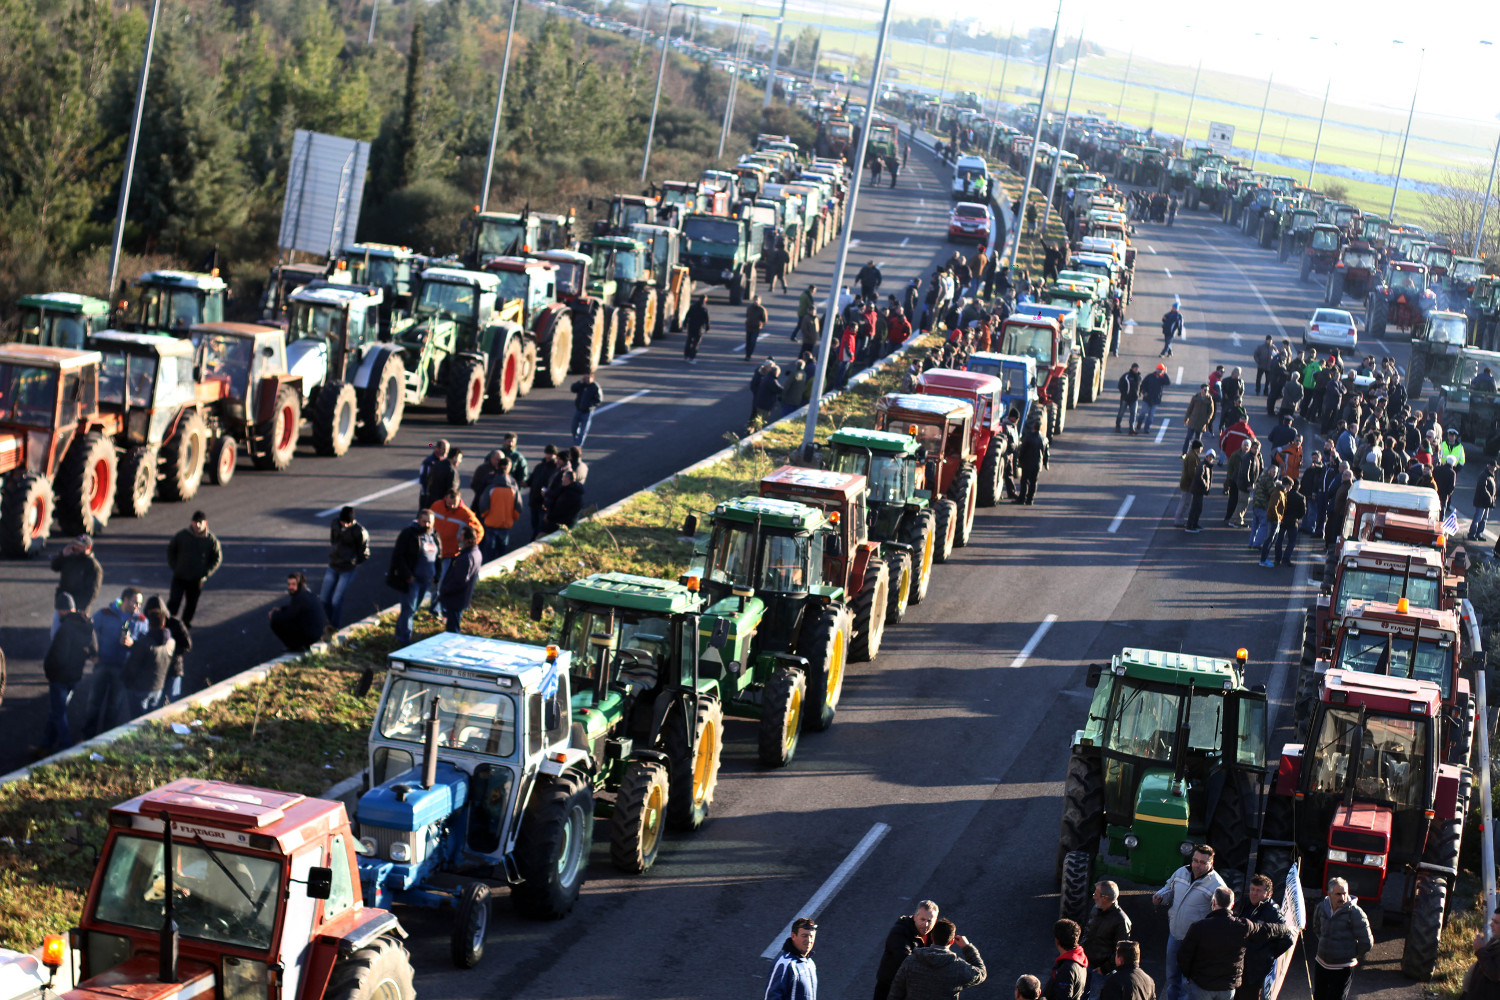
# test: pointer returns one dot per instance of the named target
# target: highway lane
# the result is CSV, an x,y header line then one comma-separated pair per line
x,y
666,414
950,741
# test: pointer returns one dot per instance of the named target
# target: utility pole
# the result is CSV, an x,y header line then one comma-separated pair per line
x,y
1254,153
1000,94
135,135
1187,126
370,38
1484,208
1062,139
1120,108
1401,163
765,105
1036,140
489,160
1318,142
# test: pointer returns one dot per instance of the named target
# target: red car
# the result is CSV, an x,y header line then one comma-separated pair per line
x,y
969,221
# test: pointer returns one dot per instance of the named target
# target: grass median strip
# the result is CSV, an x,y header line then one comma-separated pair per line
x,y
303,729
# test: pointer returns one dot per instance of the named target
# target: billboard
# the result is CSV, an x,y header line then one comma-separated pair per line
x,y
325,185
1220,137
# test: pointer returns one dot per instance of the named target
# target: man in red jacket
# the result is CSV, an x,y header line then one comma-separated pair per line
x,y
1071,969
897,329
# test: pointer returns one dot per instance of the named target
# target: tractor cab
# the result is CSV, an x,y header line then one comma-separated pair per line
x,y
1399,640
1375,231
844,498
616,264
1437,259
1017,377
1343,215
60,319
626,210
527,285
44,393
496,234
284,279
572,270
942,431
983,393
1046,339
886,459
171,302
721,180
1301,220
1443,327
146,379
390,268
468,299
663,246
1325,238
556,231
751,176
329,328
1368,498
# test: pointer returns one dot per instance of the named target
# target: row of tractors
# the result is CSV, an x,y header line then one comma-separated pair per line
x,y
105,408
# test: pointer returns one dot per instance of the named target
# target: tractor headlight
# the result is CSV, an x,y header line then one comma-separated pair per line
x,y
1132,841
401,852
1375,860
1185,848
1335,855
367,845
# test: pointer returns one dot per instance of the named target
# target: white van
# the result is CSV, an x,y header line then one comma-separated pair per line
x,y
968,172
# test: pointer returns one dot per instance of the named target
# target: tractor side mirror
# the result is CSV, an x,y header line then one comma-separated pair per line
x,y
538,605
720,636
690,526
1096,670
366,681
319,883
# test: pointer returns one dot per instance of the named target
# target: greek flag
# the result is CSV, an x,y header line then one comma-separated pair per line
x,y
549,682
1450,523
1292,903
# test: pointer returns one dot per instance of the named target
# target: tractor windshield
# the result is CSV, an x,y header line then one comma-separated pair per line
x,y
569,278
1029,341
1465,271
501,237
1388,766
458,301
221,895
627,266
1355,260
638,645
1381,585
483,721
51,329
723,231
126,379
28,395
1408,282
176,308
1323,239
514,286
890,475
1382,653
782,566
315,322
1144,721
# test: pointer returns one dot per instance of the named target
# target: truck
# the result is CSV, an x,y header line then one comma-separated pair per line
x,y
721,251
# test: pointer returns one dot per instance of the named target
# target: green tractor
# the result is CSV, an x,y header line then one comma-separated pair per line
x,y
621,276
61,319
395,270
1172,754
1295,233
900,515
170,302
1208,188
510,234
775,636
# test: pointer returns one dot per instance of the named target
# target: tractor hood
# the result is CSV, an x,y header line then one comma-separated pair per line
x,y
1159,804
403,804
741,625
309,359
135,979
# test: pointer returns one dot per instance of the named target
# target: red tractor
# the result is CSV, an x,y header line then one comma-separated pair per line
x,y
1353,274
1058,363
227,892
1321,252
1372,571
853,561
593,326
945,458
992,439
1365,797
1402,300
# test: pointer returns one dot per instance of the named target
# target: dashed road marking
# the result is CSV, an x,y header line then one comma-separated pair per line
x,y
1162,430
367,499
905,240
621,402
1151,248
621,359
830,888
1114,525
1035,640
1168,270
1179,374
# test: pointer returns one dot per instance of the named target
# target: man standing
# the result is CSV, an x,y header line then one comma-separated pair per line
x,y
484,477
537,485
1260,956
765,393
1129,981
909,933
778,262
1293,512
1203,484
806,305
1212,955
1171,326
1484,501
1343,933
1070,970
193,555
145,672
117,627
500,509
1265,354
74,646
1200,416
79,574
869,278
456,592
414,563
911,298
586,399
696,323
1189,893
564,501
1482,981
756,318
348,546
1130,395
450,516
300,621
1107,926
897,329
1152,388
934,971
1032,457
518,467
429,489
794,976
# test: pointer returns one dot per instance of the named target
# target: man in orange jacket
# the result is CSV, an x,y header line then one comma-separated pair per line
x,y
450,516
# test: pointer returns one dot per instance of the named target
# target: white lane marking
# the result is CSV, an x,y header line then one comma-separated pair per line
x,y
622,358
1168,270
1151,248
835,882
1129,327
1162,430
905,240
921,201
366,499
621,402
1179,374
1035,640
1114,525
854,243
919,220
1253,290
1235,338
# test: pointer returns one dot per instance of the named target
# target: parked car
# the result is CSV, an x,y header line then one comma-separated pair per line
x,y
1331,328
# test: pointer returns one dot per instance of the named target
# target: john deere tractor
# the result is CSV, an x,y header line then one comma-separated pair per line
x,y
1172,753
61,319
900,514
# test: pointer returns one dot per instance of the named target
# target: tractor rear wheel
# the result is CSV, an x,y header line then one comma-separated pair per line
x,y
554,338
645,303
1461,730
1275,861
989,471
945,523
381,970
336,415
588,338
1083,809
1424,932
471,925
1335,289
919,532
136,486
695,768
528,366
898,570
962,492
781,716
553,848
505,381
27,507
1417,375
223,456
684,303
465,391
182,458
1305,271
825,645
382,402
1307,695
610,336
1070,394
1076,898
1376,319
86,485
736,291
870,607
635,827
626,331
1088,391
277,444
1309,637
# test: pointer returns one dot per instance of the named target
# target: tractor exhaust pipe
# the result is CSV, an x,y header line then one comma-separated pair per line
x,y
166,970
429,747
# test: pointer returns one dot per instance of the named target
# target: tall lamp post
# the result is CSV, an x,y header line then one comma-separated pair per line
x,y
1062,139
489,160
1187,126
1255,153
734,82
1120,107
765,105
1000,94
1410,114
1036,140
661,71
135,135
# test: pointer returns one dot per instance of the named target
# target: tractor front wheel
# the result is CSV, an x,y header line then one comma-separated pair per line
x,y
553,848
1461,732
645,315
1229,830
825,644
505,381
1088,388
588,338
223,456
278,439
1275,861
86,485
870,607
1335,290
470,926
336,415
465,391
898,569
695,765
1417,376
1076,900
609,338
626,330
945,523
1083,809
1309,637
27,507
962,494
781,716
182,458
635,828
137,481
528,367
554,340
920,534
990,468
380,970
1424,931
382,402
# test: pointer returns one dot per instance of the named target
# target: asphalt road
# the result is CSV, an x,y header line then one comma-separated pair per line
x,y
942,777
660,415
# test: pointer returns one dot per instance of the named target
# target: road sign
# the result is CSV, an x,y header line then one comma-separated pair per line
x,y
325,187
1220,137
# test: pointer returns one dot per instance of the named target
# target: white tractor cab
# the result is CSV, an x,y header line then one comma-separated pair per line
x,y
722,180
171,302
970,178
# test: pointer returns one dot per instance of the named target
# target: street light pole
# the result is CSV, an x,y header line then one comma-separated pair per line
x,y
1120,107
135,134
1062,139
370,38
1263,106
765,105
947,62
1187,126
1484,208
489,161
1000,94
1036,140
810,430
1318,142
661,71
734,80
1410,114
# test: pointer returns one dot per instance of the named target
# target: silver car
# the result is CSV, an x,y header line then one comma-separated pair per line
x,y
1331,328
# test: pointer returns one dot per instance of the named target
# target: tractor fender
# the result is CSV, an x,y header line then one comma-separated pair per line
x,y
546,319
270,386
572,759
661,708
651,756
500,336
1446,804
341,936
860,564
373,361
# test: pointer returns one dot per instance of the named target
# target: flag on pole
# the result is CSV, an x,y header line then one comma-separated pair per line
x,y
1293,904
1450,523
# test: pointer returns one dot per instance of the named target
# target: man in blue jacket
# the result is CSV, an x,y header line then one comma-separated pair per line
x,y
117,627
795,975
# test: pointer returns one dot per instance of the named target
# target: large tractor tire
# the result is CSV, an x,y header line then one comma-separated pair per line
x,y
781,716
1230,832
1417,374
1275,861
1461,732
1076,900
945,524
505,380
471,924
1309,637
695,768
1377,319
86,485
611,335
1305,271
1060,412
684,303
223,457
825,645
921,534
335,416
1088,391
899,572
1334,292
136,485
635,827
588,338
183,456
382,402
528,366
990,472
737,291
963,492
552,851
465,391
870,607
277,444
1083,809
27,508
1074,380
1307,696
381,970
626,330
645,303
554,340
1424,930
666,309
